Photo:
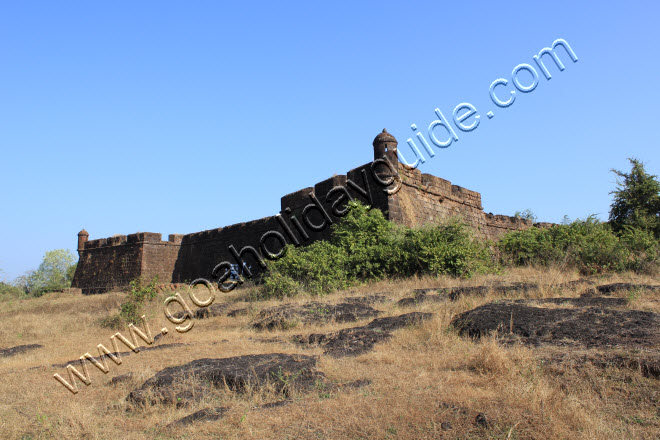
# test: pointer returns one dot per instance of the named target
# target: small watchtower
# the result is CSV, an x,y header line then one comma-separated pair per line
x,y
385,145
82,239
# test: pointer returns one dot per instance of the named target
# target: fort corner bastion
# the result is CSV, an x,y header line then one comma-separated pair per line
x,y
404,195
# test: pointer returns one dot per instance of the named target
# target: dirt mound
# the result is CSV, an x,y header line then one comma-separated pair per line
x,y
357,340
13,351
580,325
284,372
289,315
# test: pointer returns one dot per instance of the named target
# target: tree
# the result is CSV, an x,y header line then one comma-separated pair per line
x,y
636,200
527,214
54,273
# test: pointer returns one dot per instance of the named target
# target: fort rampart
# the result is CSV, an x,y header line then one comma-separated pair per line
x,y
411,199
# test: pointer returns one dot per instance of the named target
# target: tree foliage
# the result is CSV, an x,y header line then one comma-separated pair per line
x,y
54,273
636,200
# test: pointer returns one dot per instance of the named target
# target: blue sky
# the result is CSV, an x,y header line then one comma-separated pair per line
x,y
175,117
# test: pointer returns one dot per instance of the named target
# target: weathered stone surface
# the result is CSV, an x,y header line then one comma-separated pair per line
x,y
290,315
421,296
607,289
481,420
211,311
121,379
13,351
580,325
358,340
204,312
284,372
368,299
453,293
203,415
647,362
238,312
582,301
575,284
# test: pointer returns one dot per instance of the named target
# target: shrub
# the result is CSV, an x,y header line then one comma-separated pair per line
x,y
279,285
131,309
445,249
10,291
114,322
590,246
527,214
365,246
644,250
318,268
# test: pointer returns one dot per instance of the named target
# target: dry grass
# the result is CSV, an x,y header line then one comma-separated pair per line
x,y
422,377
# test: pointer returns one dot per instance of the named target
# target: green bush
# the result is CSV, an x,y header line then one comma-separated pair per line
x,y
139,291
365,246
318,268
445,249
644,249
590,246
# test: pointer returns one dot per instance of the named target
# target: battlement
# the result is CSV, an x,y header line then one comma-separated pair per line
x,y
305,216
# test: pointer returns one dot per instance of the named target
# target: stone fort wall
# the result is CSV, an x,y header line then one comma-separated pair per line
x,y
412,199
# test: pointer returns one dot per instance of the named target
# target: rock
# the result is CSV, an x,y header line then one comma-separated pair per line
x,y
206,414
607,289
453,293
575,283
284,372
445,426
586,326
238,312
204,312
277,404
481,420
13,351
211,311
357,340
290,315
582,301
121,379
646,362
368,299
420,296
360,383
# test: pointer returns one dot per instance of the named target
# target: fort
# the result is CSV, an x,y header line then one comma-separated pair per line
x,y
404,195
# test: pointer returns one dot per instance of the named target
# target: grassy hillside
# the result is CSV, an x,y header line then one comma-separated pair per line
x,y
426,381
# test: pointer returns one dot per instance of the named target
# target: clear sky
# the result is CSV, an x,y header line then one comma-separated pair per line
x,y
176,117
